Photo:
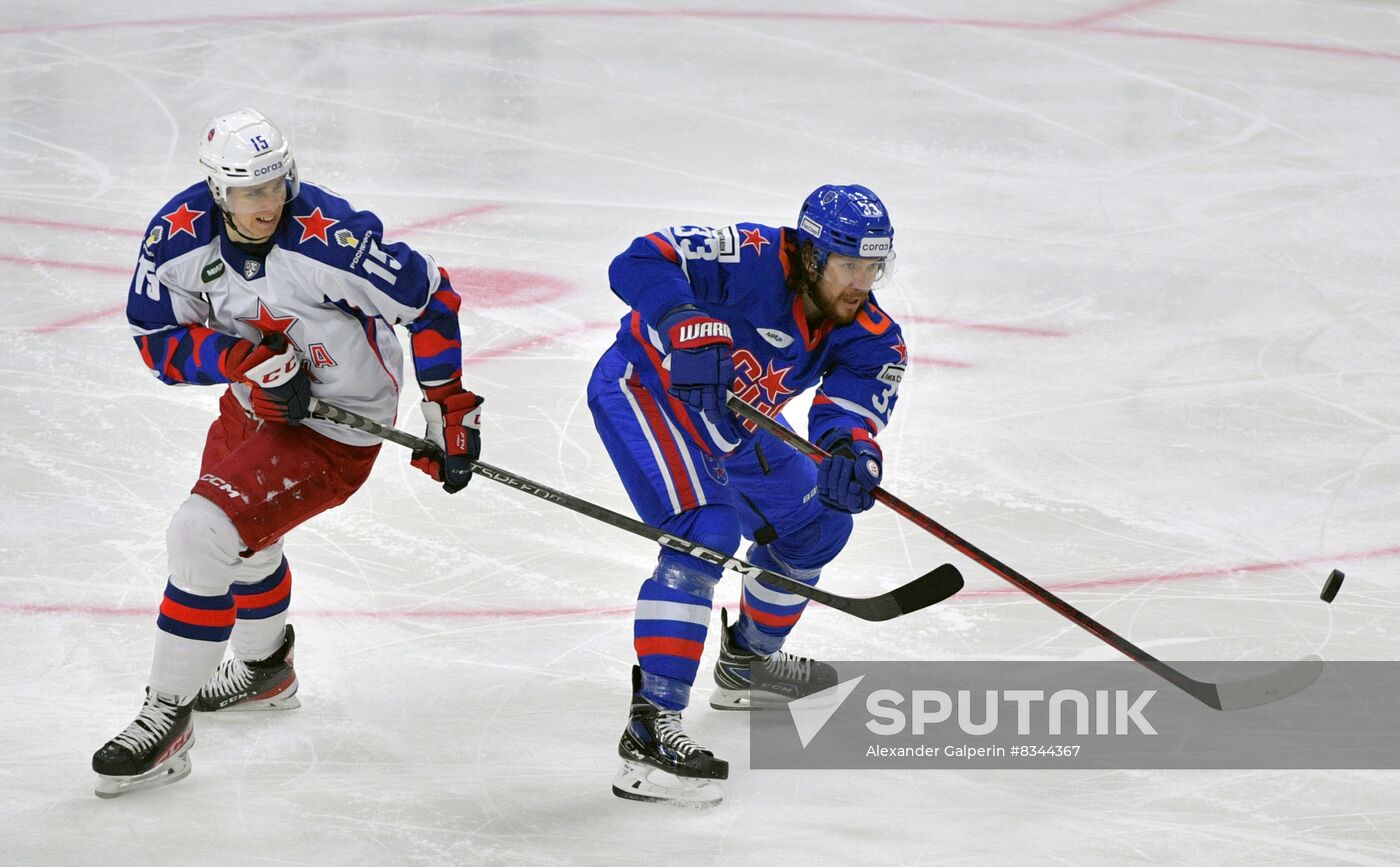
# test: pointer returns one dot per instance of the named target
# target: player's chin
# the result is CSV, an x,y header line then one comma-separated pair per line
x,y
845,314
259,228
257,232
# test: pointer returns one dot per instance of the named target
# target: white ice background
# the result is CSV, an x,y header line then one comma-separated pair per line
x,y
1147,271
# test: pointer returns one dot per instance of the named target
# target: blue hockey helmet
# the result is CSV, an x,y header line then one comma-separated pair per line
x,y
848,219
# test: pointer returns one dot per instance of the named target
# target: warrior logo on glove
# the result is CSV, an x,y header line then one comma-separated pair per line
x,y
701,363
687,335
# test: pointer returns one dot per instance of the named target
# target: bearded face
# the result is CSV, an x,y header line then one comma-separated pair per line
x,y
840,291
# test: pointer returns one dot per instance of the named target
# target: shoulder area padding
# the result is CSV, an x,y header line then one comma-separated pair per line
x,y
185,223
325,227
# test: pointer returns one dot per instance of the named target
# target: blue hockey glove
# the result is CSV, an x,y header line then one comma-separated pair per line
x,y
281,388
702,363
701,356
846,478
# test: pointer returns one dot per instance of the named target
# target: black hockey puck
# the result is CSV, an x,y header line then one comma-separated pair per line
x,y
1334,583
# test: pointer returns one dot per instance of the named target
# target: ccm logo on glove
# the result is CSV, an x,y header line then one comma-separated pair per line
x,y
268,366
281,389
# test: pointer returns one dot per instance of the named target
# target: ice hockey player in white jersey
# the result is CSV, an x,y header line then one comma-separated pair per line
x,y
276,290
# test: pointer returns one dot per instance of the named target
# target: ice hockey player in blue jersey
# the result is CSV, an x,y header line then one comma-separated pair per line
x,y
767,313
276,291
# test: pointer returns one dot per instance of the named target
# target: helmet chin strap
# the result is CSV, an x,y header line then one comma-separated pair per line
x,y
813,264
234,230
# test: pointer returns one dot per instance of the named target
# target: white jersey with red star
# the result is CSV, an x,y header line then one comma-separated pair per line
x,y
329,283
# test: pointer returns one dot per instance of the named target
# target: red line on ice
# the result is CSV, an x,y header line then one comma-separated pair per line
x,y
620,610
412,614
447,219
1216,572
510,349
1112,12
1083,25
939,362
984,326
81,319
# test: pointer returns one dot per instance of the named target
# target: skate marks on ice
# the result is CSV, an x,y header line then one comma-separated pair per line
x,y
1204,240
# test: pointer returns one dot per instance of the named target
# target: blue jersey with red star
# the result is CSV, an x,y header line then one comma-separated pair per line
x,y
738,274
329,282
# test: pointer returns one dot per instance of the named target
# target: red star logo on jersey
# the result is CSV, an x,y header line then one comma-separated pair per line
x,y
773,385
902,350
753,238
266,323
314,225
182,220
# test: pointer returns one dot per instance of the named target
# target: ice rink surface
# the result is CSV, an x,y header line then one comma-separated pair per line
x,y
1147,270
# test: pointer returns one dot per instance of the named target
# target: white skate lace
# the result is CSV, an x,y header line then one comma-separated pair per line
x,y
671,735
788,667
231,678
151,724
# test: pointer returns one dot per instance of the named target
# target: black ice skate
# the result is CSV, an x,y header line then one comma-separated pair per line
x,y
152,751
661,762
785,676
268,684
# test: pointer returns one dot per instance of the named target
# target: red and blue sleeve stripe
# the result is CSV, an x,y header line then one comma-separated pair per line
x,y
436,337
187,354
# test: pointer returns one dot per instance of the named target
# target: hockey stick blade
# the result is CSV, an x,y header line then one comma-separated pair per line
x,y
929,589
1227,696
1264,689
926,590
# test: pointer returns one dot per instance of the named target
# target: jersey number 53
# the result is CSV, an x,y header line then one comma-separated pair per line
x,y
703,242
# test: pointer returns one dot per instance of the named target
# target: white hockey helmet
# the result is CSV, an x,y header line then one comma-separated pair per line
x,y
245,149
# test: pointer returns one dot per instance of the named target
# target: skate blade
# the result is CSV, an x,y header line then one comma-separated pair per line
x,y
730,699
638,782
173,770
290,702
748,699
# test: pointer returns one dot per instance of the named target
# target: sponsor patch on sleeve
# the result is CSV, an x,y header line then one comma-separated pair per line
x,y
152,240
892,374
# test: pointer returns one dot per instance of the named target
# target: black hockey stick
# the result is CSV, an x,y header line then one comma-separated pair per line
x,y
1234,695
922,592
